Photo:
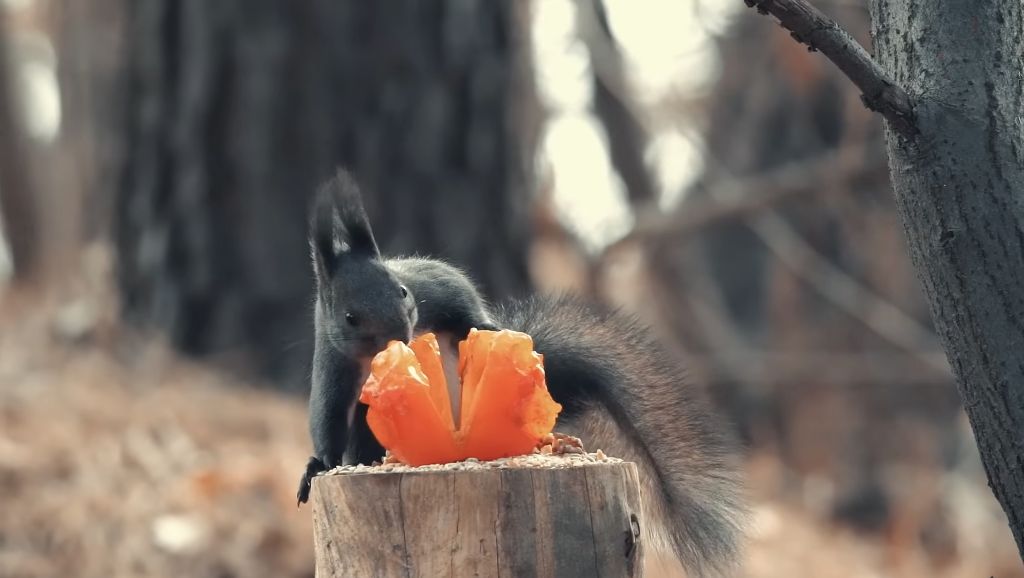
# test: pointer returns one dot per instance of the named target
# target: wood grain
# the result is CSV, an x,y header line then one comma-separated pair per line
x,y
516,522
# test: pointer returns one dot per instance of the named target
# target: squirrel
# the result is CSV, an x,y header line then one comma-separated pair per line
x,y
619,389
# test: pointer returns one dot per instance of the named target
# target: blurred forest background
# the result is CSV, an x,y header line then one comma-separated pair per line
x,y
683,159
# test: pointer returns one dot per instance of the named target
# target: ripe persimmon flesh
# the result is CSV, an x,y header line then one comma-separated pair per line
x,y
505,406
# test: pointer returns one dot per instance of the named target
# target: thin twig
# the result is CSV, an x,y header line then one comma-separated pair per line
x,y
823,369
810,26
836,285
830,281
845,292
773,188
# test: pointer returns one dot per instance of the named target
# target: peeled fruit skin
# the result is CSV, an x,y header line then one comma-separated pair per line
x,y
506,408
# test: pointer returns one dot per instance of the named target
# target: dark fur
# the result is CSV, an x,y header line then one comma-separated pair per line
x,y
352,278
446,300
360,307
625,394
619,389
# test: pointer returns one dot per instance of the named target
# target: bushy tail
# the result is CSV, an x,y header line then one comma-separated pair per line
x,y
603,366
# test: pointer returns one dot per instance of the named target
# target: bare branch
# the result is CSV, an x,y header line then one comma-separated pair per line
x,y
845,292
837,286
789,182
732,357
824,369
810,26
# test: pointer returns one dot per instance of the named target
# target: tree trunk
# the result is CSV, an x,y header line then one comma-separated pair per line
x,y
88,37
578,521
614,105
959,184
236,111
18,208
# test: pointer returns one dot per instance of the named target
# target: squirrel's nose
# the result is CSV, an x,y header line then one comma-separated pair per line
x,y
373,345
382,339
403,332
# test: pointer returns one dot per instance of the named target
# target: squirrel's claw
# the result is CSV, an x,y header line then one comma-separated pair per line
x,y
313,467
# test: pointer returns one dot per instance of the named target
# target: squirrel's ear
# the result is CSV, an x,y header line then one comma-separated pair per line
x,y
339,225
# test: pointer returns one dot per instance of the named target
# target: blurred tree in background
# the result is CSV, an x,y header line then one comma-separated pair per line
x,y
20,216
236,111
783,274
821,277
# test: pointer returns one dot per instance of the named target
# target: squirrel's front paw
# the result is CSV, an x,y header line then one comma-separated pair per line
x,y
313,467
488,326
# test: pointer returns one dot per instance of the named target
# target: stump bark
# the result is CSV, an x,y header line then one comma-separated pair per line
x,y
579,521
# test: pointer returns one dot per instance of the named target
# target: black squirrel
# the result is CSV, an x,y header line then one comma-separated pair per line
x,y
620,390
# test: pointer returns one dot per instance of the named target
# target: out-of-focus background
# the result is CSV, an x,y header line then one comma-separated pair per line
x,y
682,159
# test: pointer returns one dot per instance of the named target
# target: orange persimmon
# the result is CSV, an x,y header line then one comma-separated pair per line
x,y
505,405
409,412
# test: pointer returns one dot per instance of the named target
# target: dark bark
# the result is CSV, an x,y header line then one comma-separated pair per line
x,y
237,110
88,38
18,207
627,141
614,105
959,187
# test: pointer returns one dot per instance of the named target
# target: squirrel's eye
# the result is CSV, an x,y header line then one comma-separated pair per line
x,y
405,292
352,320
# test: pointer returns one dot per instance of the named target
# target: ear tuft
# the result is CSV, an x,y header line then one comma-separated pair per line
x,y
339,225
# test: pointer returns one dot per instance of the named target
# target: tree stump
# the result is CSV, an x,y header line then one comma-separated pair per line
x,y
581,521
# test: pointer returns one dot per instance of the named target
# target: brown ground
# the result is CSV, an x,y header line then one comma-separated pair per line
x,y
119,462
